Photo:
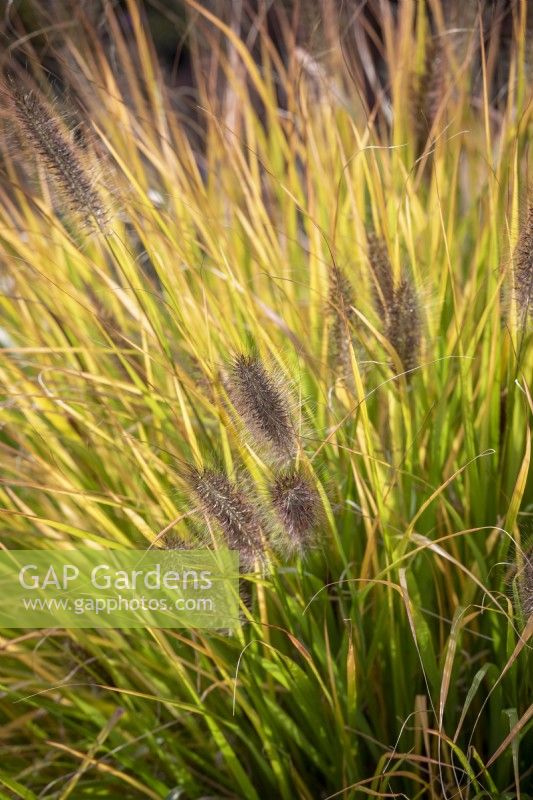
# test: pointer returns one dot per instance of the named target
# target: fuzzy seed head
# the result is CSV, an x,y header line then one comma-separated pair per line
x,y
429,92
523,270
297,506
341,310
525,584
403,329
43,132
227,506
383,281
341,297
262,405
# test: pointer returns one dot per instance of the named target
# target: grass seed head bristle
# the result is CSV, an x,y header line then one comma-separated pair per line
x,y
525,583
382,277
263,406
429,92
172,541
297,506
44,133
341,296
341,310
225,504
523,270
403,329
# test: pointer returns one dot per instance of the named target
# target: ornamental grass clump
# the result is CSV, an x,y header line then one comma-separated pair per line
x,y
382,651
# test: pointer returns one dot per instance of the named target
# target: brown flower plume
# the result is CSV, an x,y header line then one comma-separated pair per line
x,y
429,91
297,506
341,311
523,269
383,280
397,305
44,133
525,583
403,329
263,406
225,504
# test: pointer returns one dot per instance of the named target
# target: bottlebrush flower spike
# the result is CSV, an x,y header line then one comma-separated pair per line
x,y
404,325
525,583
429,92
263,405
225,504
341,310
297,506
45,134
383,280
523,269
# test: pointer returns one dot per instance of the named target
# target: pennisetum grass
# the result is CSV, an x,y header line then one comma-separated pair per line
x,y
398,305
428,93
381,274
341,303
524,581
297,506
227,505
523,270
404,323
380,628
43,132
263,405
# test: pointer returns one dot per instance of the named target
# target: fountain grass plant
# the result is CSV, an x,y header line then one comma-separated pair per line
x,y
373,278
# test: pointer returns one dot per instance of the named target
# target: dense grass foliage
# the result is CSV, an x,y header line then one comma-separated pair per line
x,y
305,331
